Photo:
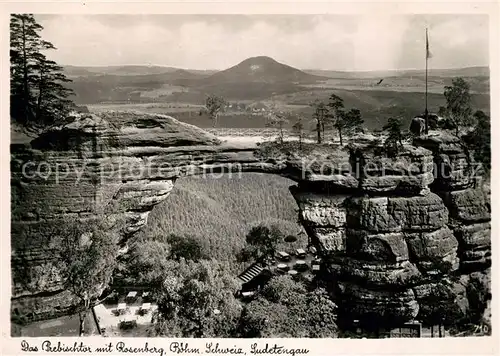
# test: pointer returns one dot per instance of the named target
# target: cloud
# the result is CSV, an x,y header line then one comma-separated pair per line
x,y
378,42
340,42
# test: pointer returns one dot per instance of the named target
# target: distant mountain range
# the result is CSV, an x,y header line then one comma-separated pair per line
x,y
260,80
478,71
266,69
75,71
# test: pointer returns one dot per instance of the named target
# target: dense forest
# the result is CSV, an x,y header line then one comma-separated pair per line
x,y
189,254
219,212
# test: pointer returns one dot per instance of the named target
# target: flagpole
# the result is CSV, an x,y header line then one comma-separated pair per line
x,y
426,60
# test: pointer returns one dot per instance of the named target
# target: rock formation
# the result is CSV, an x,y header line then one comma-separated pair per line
x,y
458,184
387,232
400,234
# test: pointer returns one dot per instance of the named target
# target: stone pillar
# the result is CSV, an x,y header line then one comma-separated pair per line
x,y
459,183
396,237
381,237
323,216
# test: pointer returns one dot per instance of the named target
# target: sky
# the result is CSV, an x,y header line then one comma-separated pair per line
x,y
329,42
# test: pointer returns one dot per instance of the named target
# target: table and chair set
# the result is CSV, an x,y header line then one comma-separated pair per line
x,y
299,265
131,298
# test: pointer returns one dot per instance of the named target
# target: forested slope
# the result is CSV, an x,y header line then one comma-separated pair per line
x,y
219,211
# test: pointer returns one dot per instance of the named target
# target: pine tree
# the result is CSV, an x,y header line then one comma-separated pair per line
x,y
481,139
394,140
37,92
343,121
277,118
319,116
51,99
214,105
351,121
336,113
298,129
458,111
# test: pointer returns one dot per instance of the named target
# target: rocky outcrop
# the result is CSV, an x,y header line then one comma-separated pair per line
x,y
459,183
118,164
434,252
323,216
397,236
371,305
385,236
453,164
407,174
111,164
390,214
468,205
400,233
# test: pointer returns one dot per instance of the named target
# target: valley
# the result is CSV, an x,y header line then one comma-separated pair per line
x,y
260,82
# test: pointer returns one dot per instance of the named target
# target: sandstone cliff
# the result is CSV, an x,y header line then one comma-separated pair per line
x,y
388,231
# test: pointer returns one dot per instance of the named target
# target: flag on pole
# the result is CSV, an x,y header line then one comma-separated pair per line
x,y
428,53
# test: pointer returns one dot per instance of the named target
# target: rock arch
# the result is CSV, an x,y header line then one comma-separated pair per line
x,y
363,220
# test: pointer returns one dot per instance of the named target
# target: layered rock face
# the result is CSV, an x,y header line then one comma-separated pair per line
x,y
118,163
115,164
458,182
386,237
396,239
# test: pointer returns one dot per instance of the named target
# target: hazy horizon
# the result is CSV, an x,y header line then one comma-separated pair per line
x,y
303,69
315,42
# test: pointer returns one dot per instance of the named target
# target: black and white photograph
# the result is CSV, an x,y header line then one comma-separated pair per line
x,y
250,176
